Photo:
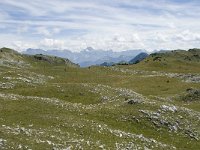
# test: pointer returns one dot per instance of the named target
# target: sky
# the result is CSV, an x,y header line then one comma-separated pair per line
x,y
101,24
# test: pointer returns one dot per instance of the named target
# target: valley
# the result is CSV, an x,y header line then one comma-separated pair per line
x,y
49,102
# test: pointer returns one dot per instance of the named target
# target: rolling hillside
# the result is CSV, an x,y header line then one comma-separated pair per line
x,y
175,61
48,102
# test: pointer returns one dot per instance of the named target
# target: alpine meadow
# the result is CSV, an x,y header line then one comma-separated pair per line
x,y
100,75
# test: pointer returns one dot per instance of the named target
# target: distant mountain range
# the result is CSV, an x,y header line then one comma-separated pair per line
x,y
90,56
141,56
138,58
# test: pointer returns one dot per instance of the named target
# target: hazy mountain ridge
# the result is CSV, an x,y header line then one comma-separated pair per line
x,y
89,56
138,58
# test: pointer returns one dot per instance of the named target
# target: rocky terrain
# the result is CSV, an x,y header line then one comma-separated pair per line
x,y
50,103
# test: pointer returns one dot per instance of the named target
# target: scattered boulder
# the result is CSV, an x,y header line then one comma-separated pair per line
x,y
2,142
157,58
81,94
191,95
168,108
134,101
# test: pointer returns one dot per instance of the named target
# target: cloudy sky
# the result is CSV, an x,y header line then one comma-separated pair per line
x,y
101,24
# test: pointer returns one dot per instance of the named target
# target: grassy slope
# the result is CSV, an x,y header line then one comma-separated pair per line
x,y
103,113
178,61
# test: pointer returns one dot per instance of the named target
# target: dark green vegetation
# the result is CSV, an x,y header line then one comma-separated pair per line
x,y
46,103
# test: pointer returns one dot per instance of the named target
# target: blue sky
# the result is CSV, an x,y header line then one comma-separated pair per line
x,y
101,24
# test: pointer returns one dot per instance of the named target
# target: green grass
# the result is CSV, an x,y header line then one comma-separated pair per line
x,y
50,110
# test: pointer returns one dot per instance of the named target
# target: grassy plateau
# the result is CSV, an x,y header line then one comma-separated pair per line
x,y
48,102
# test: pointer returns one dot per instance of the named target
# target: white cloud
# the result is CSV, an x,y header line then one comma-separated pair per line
x,y
56,30
47,32
101,24
52,43
188,36
22,29
17,45
43,31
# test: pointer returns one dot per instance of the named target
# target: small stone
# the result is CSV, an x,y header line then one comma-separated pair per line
x,y
134,101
